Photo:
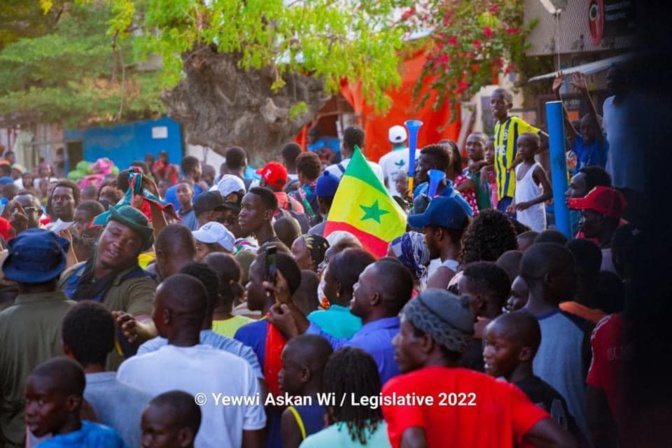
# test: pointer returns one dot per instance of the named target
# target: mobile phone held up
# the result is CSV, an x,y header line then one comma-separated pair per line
x,y
271,266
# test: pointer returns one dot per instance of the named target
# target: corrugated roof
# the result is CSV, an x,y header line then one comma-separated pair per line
x,y
587,69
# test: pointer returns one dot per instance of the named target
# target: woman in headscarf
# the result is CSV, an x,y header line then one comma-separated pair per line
x,y
410,249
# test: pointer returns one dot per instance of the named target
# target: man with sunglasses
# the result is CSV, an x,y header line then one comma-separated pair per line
x,y
209,206
24,212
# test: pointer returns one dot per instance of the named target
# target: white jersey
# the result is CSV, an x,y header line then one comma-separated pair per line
x,y
533,217
337,169
393,163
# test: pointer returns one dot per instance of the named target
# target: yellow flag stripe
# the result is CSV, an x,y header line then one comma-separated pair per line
x,y
353,194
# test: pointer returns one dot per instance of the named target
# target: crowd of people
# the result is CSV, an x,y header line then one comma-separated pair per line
x,y
176,306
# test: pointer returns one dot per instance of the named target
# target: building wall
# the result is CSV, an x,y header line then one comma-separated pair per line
x,y
126,143
575,34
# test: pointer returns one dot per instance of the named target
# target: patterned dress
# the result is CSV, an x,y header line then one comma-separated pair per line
x,y
469,196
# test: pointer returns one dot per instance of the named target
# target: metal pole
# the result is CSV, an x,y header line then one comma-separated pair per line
x,y
556,137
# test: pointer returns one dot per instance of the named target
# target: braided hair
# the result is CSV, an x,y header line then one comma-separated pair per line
x,y
352,371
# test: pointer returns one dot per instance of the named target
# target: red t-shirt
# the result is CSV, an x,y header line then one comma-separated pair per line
x,y
611,349
470,409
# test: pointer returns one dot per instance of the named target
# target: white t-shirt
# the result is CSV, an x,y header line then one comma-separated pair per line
x,y
393,163
202,369
336,171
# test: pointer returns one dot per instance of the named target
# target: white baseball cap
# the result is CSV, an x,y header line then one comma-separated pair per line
x,y
397,134
214,232
230,184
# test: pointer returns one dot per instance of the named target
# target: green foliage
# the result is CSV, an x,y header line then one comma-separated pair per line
x,y
24,19
358,40
73,74
297,110
474,41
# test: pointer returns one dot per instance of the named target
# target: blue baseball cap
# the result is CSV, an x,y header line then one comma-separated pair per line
x,y
35,256
327,184
446,212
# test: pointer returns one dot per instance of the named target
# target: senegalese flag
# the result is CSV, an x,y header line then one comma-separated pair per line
x,y
364,207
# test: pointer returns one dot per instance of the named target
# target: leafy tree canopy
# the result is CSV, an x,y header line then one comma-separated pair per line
x,y
75,73
249,72
356,40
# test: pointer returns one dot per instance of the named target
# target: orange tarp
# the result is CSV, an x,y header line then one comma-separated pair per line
x,y
436,123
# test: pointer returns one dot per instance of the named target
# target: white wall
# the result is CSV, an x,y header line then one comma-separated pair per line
x,y
206,155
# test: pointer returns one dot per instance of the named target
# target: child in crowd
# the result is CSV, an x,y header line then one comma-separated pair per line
x,y
171,420
588,144
351,372
54,398
507,130
303,361
230,289
476,152
509,345
401,183
185,194
532,185
510,262
461,182
487,286
519,295
488,178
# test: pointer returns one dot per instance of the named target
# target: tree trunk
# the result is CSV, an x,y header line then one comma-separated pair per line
x,y
221,105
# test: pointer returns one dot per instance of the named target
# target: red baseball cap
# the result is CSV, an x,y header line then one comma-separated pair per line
x,y
274,174
604,200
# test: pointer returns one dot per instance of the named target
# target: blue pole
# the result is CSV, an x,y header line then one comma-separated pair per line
x,y
556,137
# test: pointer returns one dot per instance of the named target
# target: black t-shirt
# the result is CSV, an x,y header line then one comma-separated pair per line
x,y
543,395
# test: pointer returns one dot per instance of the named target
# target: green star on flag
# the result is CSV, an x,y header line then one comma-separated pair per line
x,y
373,212
360,190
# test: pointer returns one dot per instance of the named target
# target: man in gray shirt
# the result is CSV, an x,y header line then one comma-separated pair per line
x,y
564,353
88,337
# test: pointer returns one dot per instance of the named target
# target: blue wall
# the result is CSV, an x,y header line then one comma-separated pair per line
x,y
126,143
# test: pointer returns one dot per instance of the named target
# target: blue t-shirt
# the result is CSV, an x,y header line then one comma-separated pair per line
x,y
189,219
375,338
254,335
589,155
91,434
171,195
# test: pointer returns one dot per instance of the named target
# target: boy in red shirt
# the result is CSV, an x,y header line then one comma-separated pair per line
x,y
467,408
